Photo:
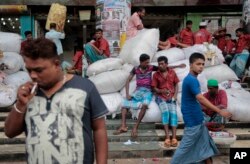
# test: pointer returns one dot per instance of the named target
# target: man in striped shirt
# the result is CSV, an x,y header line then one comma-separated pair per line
x,y
141,97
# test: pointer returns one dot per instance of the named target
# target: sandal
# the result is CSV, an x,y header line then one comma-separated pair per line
x,y
120,131
174,142
167,143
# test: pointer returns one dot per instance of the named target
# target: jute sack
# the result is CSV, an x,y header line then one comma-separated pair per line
x,y
57,14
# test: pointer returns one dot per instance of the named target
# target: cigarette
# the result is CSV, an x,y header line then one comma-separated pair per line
x,y
33,88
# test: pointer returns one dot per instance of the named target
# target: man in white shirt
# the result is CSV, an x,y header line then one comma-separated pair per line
x,y
55,36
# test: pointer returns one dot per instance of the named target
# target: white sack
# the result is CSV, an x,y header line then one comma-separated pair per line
x,y
238,104
127,67
153,114
13,62
181,72
173,55
104,65
17,79
113,102
229,84
132,87
179,114
202,48
2,76
203,82
109,82
223,138
220,72
10,42
7,95
145,42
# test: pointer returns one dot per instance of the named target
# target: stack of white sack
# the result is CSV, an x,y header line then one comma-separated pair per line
x,y
220,72
10,42
238,103
212,53
11,62
145,42
173,55
104,65
109,78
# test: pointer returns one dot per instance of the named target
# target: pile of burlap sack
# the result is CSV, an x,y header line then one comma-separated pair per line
x,y
11,66
109,75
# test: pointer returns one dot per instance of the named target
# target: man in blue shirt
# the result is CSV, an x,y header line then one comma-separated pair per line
x,y
196,144
56,37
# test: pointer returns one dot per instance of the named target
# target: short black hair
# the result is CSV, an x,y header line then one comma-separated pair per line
x,y
40,48
52,25
229,35
26,33
144,57
140,9
188,22
162,58
196,55
98,30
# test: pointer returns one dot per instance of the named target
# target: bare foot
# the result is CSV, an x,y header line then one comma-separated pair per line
x,y
134,133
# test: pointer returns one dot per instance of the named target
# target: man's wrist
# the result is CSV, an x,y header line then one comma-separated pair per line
x,y
18,110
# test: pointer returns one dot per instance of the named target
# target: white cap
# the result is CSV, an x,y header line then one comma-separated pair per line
x,y
203,23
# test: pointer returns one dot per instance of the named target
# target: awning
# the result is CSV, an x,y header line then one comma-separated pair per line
x,y
13,9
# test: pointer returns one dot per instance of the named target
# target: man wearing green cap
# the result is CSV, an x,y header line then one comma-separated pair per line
x,y
218,98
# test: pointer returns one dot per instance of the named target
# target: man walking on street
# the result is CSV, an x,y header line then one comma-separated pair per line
x,y
196,144
61,114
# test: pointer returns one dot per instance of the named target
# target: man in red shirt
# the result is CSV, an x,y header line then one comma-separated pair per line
x,y
29,37
171,42
77,62
219,35
99,49
218,98
229,49
202,35
239,61
165,86
186,34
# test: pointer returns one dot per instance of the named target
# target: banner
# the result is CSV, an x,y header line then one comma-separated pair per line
x,y
112,16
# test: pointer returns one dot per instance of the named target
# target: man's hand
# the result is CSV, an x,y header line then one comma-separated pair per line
x,y
225,114
128,97
24,95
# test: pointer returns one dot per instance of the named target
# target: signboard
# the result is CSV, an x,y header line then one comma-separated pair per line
x,y
185,2
13,8
120,2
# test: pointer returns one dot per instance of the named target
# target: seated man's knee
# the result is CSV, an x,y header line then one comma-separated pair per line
x,y
144,107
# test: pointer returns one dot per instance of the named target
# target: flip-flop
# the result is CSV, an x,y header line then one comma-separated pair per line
x,y
120,131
